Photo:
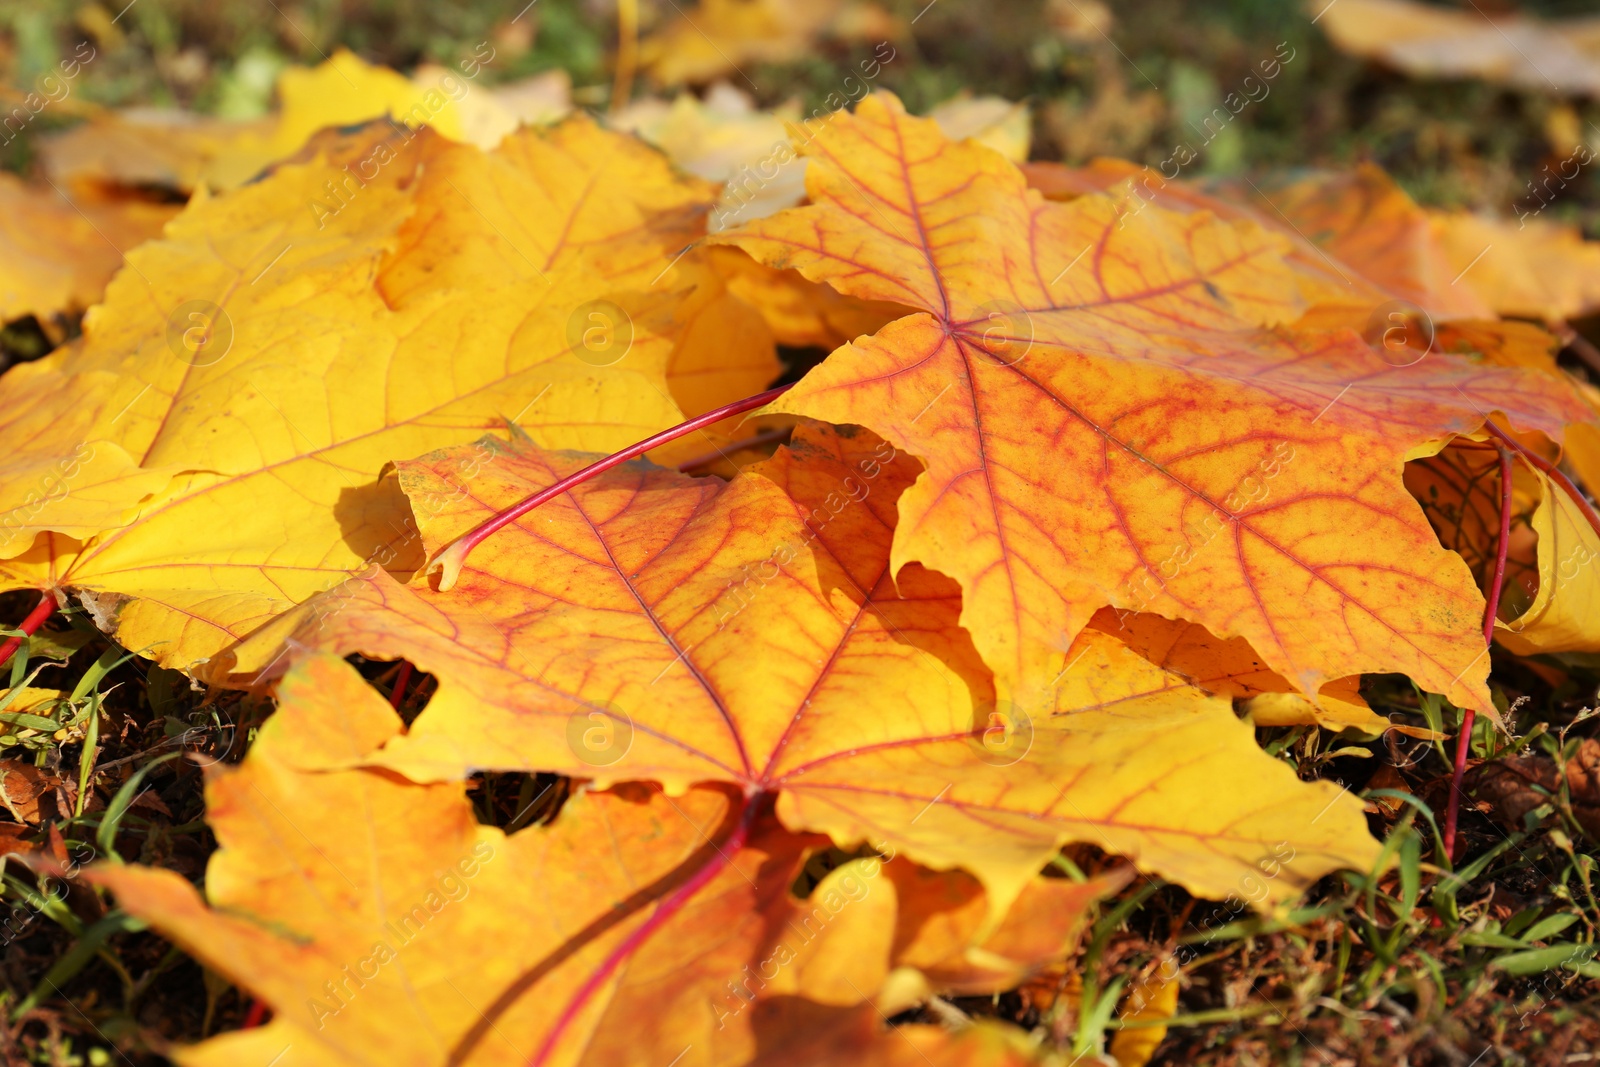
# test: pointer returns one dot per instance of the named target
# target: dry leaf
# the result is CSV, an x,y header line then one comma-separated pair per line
x,y
1514,787
183,151
221,427
653,627
1232,669
1533,269
716,38
1427,40
1104,424
992,121
1152,998
23,786
57,252
726,139
419,940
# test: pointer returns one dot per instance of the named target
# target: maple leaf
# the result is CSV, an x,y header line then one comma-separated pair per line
x,y
1532,268
220,429
1104,424
424,938
1453,264
1232,669
1356,238
1360,240
1551,601
800,313
184,151
1430,41
1564,615
719,36
992,121
725,139
57,251
647,626
1151,998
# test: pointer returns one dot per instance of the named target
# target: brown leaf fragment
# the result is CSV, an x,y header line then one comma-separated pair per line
x,y
1513,788
27,791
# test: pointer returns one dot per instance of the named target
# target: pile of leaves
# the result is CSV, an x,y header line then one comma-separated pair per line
x,y
658,618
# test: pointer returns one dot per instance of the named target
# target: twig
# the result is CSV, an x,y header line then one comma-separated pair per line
x,y
36,618
1550,469
398,695
1490,612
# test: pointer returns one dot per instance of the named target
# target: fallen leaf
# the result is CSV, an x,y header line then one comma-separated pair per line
x,y
57,252
1232,669
1152,998
717,38
1522,344
940,943
13,843
183,151
726,139
992,121
1091,434
23,786
1550,598
1514,787
1375,231
1363,240
427,292
1564,615
653,627
418,940
799,313
158,147
1532,269
1430,41
1399,260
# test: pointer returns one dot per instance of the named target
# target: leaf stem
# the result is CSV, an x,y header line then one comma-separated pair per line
x,y
36,618
449,562
1490,612
765,437
1552,470
256,1015
403,676
669,907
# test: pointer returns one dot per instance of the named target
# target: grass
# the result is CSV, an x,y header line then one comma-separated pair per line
x,y
1488,960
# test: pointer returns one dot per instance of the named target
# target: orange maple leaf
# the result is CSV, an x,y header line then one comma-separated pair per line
x,y
647,626
1104,422
424,938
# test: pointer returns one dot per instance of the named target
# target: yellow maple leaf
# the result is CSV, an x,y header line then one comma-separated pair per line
x,y
1432,41
1550,600
220,429
185,151
57,252
718,37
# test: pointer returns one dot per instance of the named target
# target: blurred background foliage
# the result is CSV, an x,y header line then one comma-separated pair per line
x,y
1123,78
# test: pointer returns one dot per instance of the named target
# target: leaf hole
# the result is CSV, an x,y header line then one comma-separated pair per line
x,y
515,800
407,689
821,862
